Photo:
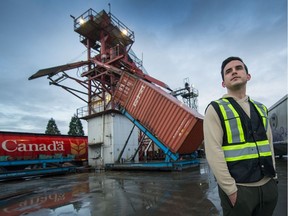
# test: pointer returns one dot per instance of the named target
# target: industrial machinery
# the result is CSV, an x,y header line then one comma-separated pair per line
x,y
34,154
189,94
103,76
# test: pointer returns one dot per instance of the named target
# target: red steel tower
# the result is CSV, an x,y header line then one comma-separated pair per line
x,y
108,42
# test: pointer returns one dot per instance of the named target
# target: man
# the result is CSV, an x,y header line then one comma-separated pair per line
x,y
239,147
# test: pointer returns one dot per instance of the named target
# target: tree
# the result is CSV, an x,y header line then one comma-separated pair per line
x,y
75,127
52,127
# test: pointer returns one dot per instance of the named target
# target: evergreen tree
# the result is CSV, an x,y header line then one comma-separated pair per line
x,y
52,127
75,127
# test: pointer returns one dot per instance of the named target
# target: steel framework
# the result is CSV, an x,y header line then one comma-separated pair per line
x,y
108,42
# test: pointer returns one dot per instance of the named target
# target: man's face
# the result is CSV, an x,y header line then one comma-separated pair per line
x,y
235,75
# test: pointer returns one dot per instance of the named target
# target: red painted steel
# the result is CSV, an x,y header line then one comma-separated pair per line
x,y
176,125
25,146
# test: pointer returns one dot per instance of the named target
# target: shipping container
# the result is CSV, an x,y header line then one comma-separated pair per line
x,y
176,125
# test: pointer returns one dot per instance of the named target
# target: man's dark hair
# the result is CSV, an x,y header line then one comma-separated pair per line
x,y
226,61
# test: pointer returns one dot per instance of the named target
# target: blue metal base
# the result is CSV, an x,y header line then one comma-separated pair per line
x,y
161,166
37,172
37,161
16,169
172,161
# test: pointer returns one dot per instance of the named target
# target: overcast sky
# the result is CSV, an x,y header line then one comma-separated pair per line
x,y
177,39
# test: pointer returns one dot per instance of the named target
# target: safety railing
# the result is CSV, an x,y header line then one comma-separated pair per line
x,y
86,16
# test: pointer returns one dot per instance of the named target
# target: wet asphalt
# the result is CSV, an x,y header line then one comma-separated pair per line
x,y
189,192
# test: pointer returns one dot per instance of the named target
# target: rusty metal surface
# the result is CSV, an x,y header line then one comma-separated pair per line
x,y
176,125
55,70
190,192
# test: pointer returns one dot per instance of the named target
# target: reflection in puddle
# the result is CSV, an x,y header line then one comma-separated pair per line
x,y
191,192
119,193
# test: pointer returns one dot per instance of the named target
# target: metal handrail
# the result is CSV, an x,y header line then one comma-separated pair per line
x,y
114,20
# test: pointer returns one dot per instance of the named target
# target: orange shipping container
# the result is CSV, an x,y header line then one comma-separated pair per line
x,y
176,125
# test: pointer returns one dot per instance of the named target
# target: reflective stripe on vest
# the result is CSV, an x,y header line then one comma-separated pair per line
x,y
237,148
247,151
232,122
262,110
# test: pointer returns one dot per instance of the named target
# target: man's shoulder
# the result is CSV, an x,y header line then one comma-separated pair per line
x,y
256,101
209,107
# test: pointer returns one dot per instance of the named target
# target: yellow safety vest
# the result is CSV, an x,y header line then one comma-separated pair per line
x,y
242,145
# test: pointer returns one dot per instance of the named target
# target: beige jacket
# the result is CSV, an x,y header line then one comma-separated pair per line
x,y
213,135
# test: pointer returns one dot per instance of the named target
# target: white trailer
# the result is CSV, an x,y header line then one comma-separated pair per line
x,y
278,120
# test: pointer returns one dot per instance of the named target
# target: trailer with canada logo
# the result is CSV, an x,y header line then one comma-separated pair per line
x,y
33,154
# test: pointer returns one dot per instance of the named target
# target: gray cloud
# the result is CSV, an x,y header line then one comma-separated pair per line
x,y
189,40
